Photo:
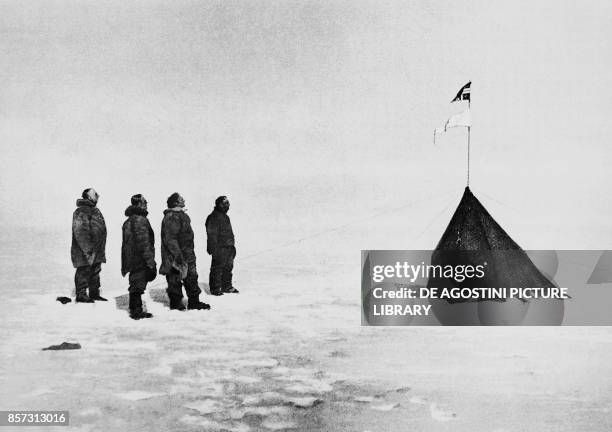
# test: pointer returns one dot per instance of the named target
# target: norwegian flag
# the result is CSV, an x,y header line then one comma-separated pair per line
x,y
464,93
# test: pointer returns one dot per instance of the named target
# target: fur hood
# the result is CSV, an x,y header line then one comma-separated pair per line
x,y
134,210
85,203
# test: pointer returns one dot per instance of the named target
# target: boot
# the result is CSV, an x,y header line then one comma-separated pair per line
x,y
82,297
216,292
176,303
94,294
137,314
195,303
230,290
136,311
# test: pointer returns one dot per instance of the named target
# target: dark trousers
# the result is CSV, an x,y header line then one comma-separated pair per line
x,y
138,281
88,276
175,283
221,267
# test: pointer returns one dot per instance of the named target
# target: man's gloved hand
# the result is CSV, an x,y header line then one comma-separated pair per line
x,y
180,266
90,256
151,272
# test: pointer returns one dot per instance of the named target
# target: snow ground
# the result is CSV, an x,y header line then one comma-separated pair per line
x,y
287,353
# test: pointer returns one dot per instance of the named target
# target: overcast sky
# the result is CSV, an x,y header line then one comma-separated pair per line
x,y
321,104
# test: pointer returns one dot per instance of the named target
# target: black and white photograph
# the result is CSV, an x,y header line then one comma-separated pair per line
x,y
306,215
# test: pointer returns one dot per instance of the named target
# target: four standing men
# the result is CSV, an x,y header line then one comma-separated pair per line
x,y
138,251
88,247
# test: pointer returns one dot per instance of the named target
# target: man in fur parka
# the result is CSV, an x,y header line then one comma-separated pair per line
x,y
178,256
220,244
88,247
138,254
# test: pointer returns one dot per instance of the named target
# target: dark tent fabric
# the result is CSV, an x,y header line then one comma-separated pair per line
x,y
473,228
473,237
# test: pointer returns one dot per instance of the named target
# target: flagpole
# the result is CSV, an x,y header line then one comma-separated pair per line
x,y
468,150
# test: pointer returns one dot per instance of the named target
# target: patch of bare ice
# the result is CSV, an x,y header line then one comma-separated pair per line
x,y
364,399
187,386
277,424
596,409
262,411
126,348
262,398
217,354
160,370
137,395
304,402
417,400
206,406
254,353
40,391
334,377
441,415
258,363
93,411
180,389
306,386
285,373
244,379
280,371
200,378
385,407
211,425
87,427
240,427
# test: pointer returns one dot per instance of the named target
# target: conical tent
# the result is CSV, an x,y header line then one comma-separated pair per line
x,y
473,237
473,228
